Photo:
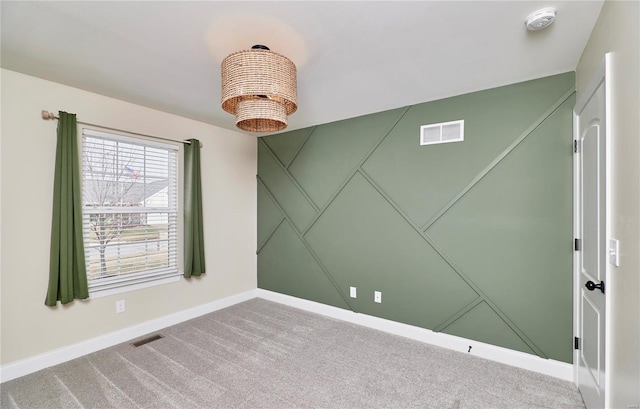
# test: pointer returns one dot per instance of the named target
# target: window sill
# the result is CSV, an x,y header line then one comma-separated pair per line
x,y
99,293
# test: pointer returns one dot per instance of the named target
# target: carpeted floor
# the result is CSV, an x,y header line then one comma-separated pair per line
x,y
260,354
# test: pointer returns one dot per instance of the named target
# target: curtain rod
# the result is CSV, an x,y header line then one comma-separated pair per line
x,y
46,115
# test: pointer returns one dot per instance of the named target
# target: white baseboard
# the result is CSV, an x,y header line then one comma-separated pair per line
x,y
506,356
29,365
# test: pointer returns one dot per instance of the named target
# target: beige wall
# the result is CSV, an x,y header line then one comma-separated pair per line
x,y
617,30
28,150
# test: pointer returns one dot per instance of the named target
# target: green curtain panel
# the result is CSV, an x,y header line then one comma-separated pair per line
x,y
193,228
67,271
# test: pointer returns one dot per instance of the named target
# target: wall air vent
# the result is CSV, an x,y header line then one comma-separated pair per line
x,y
443,132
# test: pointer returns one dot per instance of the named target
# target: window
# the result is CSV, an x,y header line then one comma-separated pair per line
x,y
130,207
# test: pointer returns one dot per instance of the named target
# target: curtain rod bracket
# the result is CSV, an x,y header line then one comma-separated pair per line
x,y
48,115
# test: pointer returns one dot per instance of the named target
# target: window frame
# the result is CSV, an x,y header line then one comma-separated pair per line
x,y
133,281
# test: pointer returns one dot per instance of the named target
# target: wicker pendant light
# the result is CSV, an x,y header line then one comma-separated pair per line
x,y
259,87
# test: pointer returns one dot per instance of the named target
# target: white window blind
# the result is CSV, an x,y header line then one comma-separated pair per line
x,y
129,193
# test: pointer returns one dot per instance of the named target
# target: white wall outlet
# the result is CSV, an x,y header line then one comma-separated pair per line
x,y
377,296
352,292
119,306
614,252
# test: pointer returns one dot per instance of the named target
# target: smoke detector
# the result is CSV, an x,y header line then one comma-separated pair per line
x,y
541,19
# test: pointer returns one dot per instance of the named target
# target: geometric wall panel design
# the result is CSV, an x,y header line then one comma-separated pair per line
x,y
472,239
320,168
268,216
493,119
284,190
482,324
286,148
290,269
511,232
379,244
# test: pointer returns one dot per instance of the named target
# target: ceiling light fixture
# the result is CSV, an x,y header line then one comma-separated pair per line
x,y
540,19
259,87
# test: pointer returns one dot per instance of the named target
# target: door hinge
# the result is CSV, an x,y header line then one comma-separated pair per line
x,y
576,146
576,244
576,343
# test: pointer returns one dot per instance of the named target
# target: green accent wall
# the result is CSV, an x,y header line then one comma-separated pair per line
x,y
471,238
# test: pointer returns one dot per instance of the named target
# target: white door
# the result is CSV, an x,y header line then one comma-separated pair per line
x,y
592,254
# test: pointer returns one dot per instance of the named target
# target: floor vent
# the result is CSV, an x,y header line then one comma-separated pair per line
x,y
147,340
442,133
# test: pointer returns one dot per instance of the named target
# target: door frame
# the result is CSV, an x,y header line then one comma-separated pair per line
x,y
602,74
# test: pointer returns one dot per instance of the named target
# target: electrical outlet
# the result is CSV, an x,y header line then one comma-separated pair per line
x,y
119,306
352,292
377,297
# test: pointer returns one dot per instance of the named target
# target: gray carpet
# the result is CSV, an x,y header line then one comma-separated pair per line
x,y
260,354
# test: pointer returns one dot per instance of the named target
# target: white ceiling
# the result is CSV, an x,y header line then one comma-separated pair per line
x,y
353,58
